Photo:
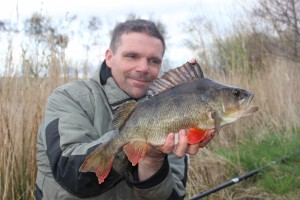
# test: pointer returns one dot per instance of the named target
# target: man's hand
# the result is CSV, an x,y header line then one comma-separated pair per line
x,y
182,147
155,156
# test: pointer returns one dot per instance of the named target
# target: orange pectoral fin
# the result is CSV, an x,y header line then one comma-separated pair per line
x,y
195,135
135,151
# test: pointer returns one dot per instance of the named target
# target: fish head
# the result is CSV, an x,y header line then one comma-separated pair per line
x,y
229,103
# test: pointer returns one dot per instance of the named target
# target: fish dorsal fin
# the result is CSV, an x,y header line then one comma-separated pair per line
x,y
177,76
122,115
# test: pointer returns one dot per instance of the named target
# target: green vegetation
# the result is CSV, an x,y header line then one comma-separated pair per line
x,y
281,176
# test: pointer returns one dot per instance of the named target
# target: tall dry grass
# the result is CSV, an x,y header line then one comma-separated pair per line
x,y
22,109
22,101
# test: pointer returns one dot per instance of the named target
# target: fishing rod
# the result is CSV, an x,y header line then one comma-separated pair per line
x,y
243,177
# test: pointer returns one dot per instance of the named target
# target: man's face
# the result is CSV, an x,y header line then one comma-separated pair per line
x,y
136,62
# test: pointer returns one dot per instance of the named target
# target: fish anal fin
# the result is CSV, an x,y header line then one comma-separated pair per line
x,y
99,162
195,135
102,172
122,115
135,151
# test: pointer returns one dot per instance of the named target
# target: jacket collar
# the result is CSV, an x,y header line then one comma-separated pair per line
x,y
105,73
115,96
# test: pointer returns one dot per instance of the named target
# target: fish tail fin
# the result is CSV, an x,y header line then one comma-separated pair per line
x,y
100,161
135,151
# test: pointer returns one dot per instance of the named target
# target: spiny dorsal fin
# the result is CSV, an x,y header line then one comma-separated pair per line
x,y
122,115
177,76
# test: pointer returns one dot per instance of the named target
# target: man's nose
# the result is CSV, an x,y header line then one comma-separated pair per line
x,y
143,66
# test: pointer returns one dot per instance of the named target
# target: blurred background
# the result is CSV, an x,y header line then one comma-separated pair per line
x,y
250,44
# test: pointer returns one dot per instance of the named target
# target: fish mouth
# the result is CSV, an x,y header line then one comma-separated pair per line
x,y
245,108
246,104
246,100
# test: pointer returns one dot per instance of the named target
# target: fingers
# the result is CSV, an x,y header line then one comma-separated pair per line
x,y
182,146
169,144
193,149
209,136
192,61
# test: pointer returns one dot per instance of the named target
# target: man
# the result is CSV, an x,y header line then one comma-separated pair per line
x,y
78,118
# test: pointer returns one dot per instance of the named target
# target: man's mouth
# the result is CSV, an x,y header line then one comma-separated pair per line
x,y
139,80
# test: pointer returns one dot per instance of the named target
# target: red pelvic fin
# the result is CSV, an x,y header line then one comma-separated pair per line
x,y
135,151
195,135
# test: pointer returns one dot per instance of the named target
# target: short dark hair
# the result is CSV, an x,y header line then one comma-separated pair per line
x,y
135,25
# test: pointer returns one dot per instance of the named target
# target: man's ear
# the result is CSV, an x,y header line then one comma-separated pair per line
x,y
108,57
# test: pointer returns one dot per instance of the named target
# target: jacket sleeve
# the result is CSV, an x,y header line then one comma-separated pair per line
x,y
70,136
168,183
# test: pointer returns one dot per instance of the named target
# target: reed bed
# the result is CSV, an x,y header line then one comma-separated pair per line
x,y
23,100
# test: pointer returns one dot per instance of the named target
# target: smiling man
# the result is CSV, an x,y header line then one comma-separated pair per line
x,y
78,118
135,62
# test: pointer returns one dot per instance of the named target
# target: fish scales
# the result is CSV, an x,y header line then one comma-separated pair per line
x,y
170,111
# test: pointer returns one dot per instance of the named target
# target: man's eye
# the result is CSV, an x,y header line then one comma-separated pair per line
x,y
155,61
131,56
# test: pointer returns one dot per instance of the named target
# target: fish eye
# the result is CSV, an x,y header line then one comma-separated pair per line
x,y
236,93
